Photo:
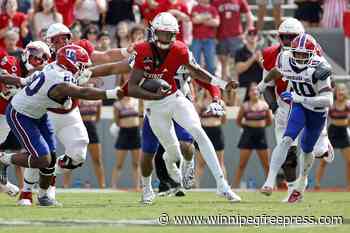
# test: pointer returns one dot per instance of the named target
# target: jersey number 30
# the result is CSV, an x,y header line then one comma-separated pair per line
x,y
303,89
38,81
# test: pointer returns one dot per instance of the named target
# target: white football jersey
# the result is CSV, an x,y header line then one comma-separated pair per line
x,y
302,81
33,100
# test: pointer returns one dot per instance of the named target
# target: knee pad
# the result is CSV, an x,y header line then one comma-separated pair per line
x,y
48,171
77,151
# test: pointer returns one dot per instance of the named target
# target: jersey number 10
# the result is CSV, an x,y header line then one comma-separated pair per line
x,y
303,89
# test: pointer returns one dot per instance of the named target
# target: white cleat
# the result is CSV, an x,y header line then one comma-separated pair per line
x,y
225,191
290,191
330,155
51,192
147,196
9,188
189,175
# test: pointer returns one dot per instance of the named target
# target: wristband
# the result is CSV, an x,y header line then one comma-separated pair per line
x,y
112,94
219,82
124,52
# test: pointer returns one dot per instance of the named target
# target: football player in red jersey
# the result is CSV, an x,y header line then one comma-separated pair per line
x,y
161,58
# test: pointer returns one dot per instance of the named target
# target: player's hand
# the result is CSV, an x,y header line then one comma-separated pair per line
x,y
120,94
84,77
215,108
287,97
297,98
261,86
233,84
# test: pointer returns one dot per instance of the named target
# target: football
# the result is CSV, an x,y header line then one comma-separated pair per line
x,y
152,85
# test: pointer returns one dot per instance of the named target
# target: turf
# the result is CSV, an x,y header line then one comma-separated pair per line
x,y
126,206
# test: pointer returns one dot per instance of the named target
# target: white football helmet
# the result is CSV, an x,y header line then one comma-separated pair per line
x,y
36,53
57,29
288,30
165,28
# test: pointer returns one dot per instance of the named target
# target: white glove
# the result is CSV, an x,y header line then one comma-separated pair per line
x,y
113,93
216,109
67,104
297,98
84,77
261,86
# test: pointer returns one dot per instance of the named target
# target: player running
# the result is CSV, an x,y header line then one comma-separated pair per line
x,y
160,60
27,114
309,75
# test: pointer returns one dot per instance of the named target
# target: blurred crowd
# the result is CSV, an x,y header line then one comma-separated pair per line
x,y
222,36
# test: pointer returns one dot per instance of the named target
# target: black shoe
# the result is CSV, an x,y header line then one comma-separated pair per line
x,y
163,189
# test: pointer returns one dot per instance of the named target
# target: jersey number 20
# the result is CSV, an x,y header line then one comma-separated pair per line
x,y
38,81
303,89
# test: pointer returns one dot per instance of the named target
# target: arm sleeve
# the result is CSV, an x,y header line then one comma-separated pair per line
x,y
213,90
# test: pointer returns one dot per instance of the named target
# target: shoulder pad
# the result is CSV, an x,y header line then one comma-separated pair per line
x,y
322,72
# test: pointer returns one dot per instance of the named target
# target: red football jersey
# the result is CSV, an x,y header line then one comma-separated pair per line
x,y
11,65
144,60
270,55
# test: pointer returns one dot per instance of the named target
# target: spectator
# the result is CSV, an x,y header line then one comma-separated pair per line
x,y
248,65
276,11
150,8
11,19
137,33
253,116
89,11
76,31
91,114
205,19
309,12
230,30
45,16
126,116
212,126
180,10
122,35
67,9
333,13
338,133
10,40
91,33
125,13
103,41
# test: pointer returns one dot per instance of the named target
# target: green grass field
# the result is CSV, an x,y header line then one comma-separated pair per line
x,y
88,212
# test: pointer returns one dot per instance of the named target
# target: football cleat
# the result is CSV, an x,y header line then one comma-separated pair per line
x,y
189,175
147,196
224,190
290,190
163,189
266,190
330,154
51,192
25,199
295,197
46,201
10,189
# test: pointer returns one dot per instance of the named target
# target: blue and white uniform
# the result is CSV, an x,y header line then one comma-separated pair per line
x,y
27,113
305,114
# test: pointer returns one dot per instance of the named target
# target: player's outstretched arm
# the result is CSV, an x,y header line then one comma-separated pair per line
x,y
136,91
112,55
198,72
274,74
119,67
64,90
11,80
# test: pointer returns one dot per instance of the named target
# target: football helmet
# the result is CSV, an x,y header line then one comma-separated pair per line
x,y
57,36
164,29
288,30
36,53
304,47
73,58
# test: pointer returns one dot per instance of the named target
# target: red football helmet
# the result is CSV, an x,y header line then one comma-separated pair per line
x,y
304,47
9,63
73,58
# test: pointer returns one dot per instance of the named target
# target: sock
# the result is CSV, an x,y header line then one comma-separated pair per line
x,y
42,192
31,177
278,157
187,163
209,155
147,182
27,187
307,159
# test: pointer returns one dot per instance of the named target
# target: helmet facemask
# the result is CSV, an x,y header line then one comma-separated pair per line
x,y
164,39
59,41
301,58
